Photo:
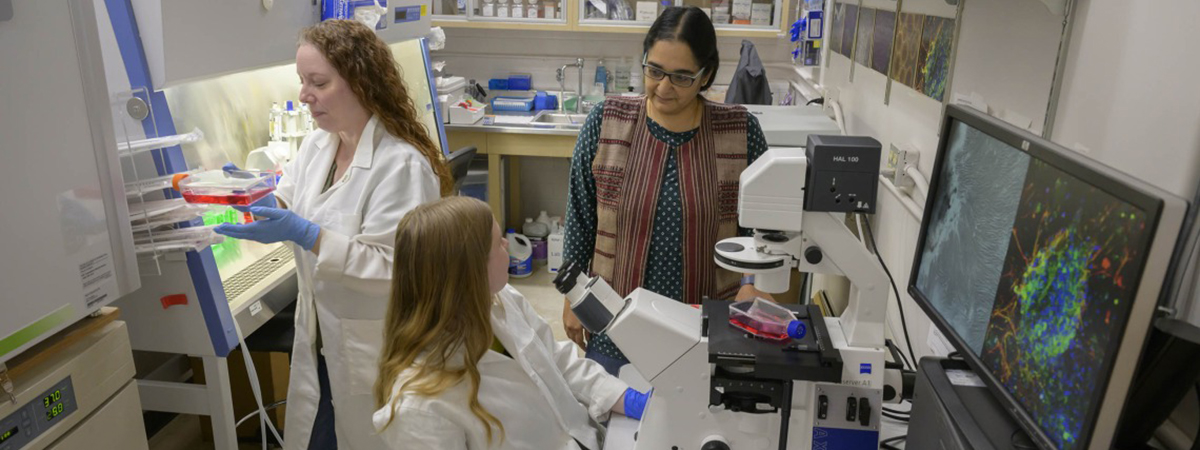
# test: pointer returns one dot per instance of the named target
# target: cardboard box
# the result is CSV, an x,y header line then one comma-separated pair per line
x,y
742,9
760,14
647,11
554,252
466,116
720,12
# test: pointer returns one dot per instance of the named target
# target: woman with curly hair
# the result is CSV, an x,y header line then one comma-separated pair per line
x,y
339,201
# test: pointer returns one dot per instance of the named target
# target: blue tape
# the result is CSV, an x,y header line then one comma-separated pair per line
x,y
842,439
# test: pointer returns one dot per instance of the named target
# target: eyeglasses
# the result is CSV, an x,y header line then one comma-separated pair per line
x,y
682,80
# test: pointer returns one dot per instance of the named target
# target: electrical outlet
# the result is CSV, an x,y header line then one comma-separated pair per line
x,y
898,159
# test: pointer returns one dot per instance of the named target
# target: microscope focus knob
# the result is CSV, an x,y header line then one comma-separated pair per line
x,y
813,255
715,445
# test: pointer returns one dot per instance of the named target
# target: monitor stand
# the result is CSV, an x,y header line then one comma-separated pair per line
x,y
952,409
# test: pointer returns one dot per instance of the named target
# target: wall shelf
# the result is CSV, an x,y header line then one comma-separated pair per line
x,y
574,21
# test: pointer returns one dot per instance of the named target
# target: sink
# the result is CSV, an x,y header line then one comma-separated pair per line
x,y
560,119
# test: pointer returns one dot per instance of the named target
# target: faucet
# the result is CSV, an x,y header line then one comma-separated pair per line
x,y
562,86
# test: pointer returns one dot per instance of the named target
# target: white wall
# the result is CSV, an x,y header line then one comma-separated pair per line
x,y
1131,92
1005,51
1007,54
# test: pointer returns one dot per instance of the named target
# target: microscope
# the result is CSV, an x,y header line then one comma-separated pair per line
x,y
716,387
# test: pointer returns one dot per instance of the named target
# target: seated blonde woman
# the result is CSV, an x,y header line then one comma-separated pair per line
x,y
467,363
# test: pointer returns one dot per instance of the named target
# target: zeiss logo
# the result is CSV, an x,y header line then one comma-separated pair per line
x,y
864,369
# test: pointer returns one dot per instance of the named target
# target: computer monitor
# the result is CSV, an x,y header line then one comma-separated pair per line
x,y
1043,268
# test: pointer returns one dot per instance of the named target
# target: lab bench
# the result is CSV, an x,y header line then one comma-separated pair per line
x,y
504,144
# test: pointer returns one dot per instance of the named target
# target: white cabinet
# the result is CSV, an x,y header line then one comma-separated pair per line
x,y
188,39
192,39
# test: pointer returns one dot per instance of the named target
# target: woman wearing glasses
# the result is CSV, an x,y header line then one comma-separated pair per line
x,y
654,179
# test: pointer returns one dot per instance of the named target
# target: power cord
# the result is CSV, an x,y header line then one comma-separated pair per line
x,y
899,300
263,422
903,359
1196,443
887,444
898,413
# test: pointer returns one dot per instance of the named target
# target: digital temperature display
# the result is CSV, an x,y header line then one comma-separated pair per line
x,y
52,398
9,434
56,404
52,403
55,411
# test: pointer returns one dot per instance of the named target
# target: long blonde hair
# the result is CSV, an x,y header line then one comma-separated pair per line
x,y
367,65
440,304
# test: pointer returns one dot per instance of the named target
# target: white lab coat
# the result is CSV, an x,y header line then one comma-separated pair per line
x,y
345,289
546,396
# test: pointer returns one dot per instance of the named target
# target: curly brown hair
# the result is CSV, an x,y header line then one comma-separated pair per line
x,y
367,65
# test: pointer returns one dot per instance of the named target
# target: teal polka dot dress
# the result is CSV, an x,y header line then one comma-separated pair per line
x,y
664,259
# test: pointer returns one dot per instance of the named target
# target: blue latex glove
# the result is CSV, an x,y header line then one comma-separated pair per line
x,y
635,403
275,225
266,202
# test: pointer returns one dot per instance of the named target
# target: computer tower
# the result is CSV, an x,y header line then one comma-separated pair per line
x,y
952,409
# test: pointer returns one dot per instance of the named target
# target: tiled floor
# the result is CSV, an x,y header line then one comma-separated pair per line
x,y
184,432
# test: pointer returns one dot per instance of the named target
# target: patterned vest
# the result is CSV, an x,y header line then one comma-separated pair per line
x,y
628,170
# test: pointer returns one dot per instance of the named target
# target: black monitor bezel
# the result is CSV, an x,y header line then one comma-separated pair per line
x,y
1098,175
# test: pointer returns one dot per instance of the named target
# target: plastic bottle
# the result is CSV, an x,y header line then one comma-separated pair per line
x,y
291,123
535,229
275,122
621,76
489,8
518,9
501,8
520,255
554,251
306,120
601,76
539,249
532,9
545,219
635,78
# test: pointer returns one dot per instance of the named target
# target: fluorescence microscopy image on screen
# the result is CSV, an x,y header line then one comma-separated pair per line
x,y
1068,283
976,200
